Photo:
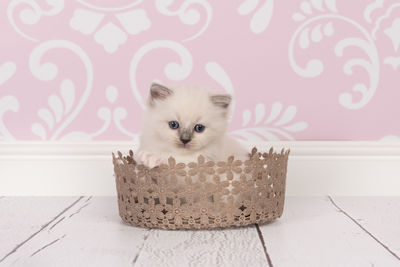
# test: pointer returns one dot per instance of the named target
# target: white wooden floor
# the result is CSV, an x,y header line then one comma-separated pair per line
x,y
86,231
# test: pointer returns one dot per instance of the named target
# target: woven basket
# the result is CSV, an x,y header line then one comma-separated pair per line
x,y
202,194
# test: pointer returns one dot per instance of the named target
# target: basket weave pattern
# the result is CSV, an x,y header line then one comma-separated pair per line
x,y
202,194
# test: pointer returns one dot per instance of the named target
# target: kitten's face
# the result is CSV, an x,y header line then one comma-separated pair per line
x,y
185,118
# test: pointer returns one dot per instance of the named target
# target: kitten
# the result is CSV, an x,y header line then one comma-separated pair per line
x,y
185,122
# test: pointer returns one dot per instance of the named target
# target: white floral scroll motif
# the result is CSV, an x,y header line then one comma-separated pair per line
x,y
380,19
110,9
216,72
85,21
258,126
316,34
134,21
110,35
33,14
314,67
63,110
173,71
261,18
7,70
107,115
119,113
394,62
371,67
309,7
104,114
61,106
7,103
371,8
394,33
187,15
58,107
111,94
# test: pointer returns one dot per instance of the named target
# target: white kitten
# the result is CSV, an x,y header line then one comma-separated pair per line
x,y
185,122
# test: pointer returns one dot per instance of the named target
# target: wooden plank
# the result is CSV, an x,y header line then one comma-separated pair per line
x,y
378,216
89,233
72,231
230,247
21,217
313,232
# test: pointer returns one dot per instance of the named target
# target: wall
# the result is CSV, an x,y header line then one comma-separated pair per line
x,y
304,70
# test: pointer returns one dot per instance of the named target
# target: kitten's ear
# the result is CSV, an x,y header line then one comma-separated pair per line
x,y
222,101
159,92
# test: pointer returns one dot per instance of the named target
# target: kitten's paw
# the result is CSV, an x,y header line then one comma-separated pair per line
x,y
148,159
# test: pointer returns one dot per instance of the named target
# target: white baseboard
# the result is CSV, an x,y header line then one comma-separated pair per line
x,y
315,168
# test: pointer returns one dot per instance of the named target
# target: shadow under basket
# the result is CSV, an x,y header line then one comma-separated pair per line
x,y
202,194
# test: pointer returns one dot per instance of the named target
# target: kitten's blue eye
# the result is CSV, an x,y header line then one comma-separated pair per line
x,y
199,128
173,124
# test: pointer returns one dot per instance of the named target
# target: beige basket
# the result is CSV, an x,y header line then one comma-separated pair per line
x,y
202,194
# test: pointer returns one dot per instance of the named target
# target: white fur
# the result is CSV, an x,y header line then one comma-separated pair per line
x,y
189,105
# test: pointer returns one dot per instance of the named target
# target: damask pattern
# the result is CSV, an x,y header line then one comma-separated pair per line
x,y
306,70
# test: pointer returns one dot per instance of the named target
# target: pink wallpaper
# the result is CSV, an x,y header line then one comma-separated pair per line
x,y
299,70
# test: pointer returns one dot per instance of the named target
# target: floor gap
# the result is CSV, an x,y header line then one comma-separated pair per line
x,y
41,229
141,248
264,246
365,230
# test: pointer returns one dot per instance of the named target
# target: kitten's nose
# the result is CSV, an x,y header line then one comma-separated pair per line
x,y
185,136
185,141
